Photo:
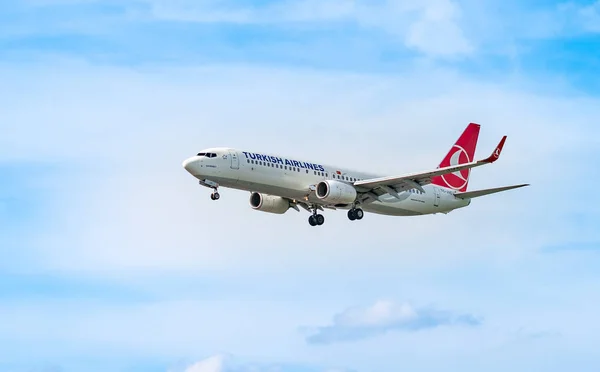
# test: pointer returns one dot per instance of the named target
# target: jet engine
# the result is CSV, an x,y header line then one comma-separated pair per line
x,y
336,192
269,203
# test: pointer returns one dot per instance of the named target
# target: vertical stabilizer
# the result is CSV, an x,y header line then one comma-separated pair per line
x,y
462,152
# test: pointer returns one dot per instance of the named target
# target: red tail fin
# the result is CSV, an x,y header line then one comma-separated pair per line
x,y
462,152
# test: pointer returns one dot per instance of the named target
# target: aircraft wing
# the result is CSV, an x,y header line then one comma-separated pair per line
x,y
395,184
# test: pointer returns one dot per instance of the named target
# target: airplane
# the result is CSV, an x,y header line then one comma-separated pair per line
x,y
278,184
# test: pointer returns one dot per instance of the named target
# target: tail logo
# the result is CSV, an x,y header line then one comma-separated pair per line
x,y
457,180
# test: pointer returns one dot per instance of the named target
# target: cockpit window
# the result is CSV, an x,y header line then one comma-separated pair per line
x,y
208,154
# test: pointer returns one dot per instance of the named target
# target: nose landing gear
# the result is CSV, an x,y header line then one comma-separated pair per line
x,y
213,185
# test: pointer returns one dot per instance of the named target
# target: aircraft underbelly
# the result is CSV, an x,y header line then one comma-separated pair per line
x,y
293,188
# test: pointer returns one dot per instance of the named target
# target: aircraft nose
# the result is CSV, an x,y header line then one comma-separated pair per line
x,y
191,165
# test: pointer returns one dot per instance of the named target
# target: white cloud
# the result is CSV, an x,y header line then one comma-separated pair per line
x,y
438,31
590,16
431,26
277,12
381,313
212,364
384,316
435,28
229,363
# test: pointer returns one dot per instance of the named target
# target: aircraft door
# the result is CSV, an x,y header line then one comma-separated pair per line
x,y
436,197
235,161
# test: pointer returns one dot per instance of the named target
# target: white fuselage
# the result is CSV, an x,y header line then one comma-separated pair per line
x,y
288,178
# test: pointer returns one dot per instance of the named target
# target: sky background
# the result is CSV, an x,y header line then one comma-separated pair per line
x,y
114,259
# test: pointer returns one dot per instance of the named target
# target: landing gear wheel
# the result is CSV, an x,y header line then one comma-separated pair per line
x,y
215,196
320,219
351,215
312,220
355,214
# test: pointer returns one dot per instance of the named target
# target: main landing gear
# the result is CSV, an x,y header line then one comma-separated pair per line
x,y
355,214
316,219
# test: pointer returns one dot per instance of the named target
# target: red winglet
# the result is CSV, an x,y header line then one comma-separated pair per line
x,y
496,154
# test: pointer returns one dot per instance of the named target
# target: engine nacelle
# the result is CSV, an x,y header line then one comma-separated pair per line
x,y
336,192
269,203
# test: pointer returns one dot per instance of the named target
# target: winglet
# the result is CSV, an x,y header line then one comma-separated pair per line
x,y
496,154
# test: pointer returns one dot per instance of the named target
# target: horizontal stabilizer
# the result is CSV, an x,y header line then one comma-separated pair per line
x,y
478,193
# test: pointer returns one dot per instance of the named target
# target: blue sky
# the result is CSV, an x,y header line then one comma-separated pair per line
x,y
114,259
